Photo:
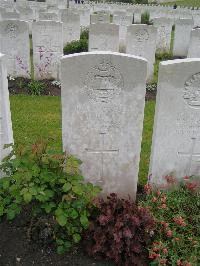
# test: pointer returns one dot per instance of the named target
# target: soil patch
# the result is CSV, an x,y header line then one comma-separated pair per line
x,y
20,86
16,249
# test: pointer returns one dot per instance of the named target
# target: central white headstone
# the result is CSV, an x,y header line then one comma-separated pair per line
x,y
102,117
176,137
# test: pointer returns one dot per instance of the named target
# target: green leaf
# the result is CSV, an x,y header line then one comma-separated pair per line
x,y
33,190
73,213
84,221
6,184
62,220
76,238
27,197
1,210
49,206
61,249
49,193
66,187
77,190
11,214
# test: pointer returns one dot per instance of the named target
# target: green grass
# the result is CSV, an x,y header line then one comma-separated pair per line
x,y
191,3
35,117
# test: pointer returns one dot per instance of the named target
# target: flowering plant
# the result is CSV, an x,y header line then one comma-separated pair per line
x,y
177,214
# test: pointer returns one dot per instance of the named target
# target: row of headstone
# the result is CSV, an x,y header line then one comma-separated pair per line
x,y
49,35
107,101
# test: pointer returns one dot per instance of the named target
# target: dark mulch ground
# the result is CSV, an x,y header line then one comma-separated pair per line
x,y
20,86
18,249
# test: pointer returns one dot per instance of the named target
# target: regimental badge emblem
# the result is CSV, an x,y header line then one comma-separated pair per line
x,y
103,82
192,91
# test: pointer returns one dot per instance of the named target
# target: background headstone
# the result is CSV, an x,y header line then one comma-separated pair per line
x,y
104,37
14,42
141,41
164,27
47,49
183,29
71,27
194,44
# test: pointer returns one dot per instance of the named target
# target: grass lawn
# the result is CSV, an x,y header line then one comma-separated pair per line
x,y
34,117
195,3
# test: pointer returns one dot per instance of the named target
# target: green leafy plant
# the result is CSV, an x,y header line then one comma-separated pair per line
x,y
85,34
78,46
36,87
176,209
47,184
120,231
145,18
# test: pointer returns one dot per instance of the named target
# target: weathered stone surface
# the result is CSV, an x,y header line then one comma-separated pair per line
x,y
164,27
176,137
71,27
104,37
47,49
102,116
141,41
100,18
194,44
14,42
6,134
183,29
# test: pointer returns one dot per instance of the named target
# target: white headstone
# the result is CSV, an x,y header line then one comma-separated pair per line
x,y
141,41
176,136
47,49
104,37
100,18
183,29
6,134
164,27
102,117
14,42
194,45
71,27
48,16
85,17
10,15
123,22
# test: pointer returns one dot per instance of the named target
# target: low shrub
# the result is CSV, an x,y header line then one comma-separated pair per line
x,y
48,184
76,47
177,214
36,87
145,18
79,45
85,34
119,230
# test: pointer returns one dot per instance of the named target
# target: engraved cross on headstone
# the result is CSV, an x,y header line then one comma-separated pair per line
x,y
191,155
102,151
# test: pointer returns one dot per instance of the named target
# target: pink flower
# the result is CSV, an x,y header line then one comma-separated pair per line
x,y
169,233
179,221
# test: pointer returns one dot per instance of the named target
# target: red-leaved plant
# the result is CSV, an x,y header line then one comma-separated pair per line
x,y
120,231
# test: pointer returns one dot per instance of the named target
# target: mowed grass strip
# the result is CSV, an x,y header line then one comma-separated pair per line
x,y
190,3
35,117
